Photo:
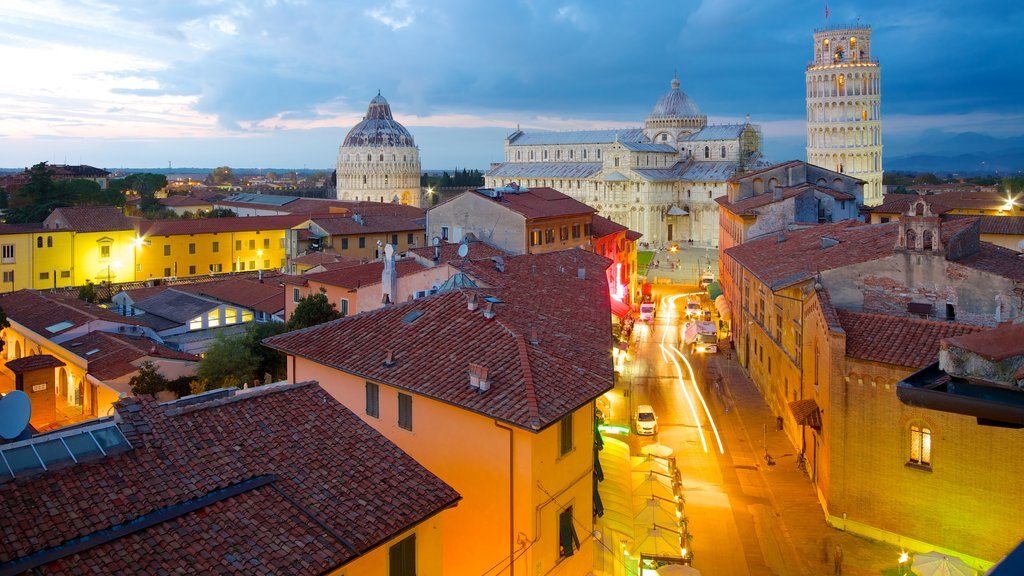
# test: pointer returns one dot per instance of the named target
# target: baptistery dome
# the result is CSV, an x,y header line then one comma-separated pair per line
x,y
378,128
675,103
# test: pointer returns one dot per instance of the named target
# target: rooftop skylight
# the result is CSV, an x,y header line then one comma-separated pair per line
x,y
60,449
63,325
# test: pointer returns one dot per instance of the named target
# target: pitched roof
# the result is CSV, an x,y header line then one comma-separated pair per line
x,y
371,224
317,258
540,203
520,138
35,362
896,340
111,356
89,219
944,201
993,259
450,251
1009,225
749,205
803,253
261,482
1004,341
6,229
218,225
266,296
180,200
601,227
544,170
362,274
51,314
718,132
176,305
434,339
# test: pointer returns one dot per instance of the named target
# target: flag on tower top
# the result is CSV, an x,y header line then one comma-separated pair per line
x,y
826,10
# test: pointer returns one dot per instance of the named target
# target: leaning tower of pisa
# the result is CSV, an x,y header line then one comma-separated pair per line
x,y
844,114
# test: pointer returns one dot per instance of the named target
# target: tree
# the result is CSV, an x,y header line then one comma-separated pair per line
x,y
312,310
3,324
228,362
148,380
220,213
38,197
267,360
1014,184
221,175
88,293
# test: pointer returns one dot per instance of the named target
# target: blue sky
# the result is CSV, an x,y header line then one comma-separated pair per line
x,y
278,83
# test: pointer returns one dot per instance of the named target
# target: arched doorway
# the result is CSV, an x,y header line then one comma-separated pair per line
x,y
62,382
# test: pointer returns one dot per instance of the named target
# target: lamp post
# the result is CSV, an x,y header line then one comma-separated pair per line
x,y
901,564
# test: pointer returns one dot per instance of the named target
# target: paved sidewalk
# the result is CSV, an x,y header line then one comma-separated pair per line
x,y
801,518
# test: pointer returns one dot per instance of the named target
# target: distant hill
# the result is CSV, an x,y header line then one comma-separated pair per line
x,y
963,152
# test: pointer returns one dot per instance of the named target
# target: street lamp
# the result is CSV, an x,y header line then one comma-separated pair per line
x,y
902,563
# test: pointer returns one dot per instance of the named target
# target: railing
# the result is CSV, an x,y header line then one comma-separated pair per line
x,y
831,27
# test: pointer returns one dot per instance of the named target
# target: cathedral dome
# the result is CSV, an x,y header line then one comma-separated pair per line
x,y
675,103
378,128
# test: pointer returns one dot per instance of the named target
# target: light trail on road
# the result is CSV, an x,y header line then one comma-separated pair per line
x,y
669,303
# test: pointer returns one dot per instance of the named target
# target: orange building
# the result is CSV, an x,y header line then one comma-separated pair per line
x,y
492,389
618,244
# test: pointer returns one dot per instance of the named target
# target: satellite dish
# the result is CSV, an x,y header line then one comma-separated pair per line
x,y
15,410
435,241
463,250
389,251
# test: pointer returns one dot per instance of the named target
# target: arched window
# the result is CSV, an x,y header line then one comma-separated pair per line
x,y
920,445
364,178
707,152
926,239
616,161
39,242
49,241
911,240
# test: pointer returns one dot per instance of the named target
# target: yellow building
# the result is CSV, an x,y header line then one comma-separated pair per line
x,y
1001,216
479,386
183,248
16,256
84,244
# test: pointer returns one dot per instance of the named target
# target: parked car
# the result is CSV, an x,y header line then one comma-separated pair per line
x,y
693,309
646,421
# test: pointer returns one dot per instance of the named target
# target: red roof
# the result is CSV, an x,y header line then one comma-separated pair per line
x,y
601,227
434,339
943,202
6,229
89,219
1008,225
345,226
111,356
30,363
266,296
997,344
317,258
218,225
361,274
801,254
897,340
50,314
180,200
540,203
750,204
258,483
450,251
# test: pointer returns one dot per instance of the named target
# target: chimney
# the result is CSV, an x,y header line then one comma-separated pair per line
x,y
581,273
489,311
478,377
471,304
534,339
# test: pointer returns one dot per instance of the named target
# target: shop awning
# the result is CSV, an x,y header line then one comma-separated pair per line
x,y
620,309
723,308
806,413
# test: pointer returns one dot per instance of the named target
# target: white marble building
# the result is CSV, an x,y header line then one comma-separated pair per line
x,y
844,107
659,180
378,160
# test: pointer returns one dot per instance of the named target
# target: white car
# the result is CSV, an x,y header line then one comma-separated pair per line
x,y
693,309
646,420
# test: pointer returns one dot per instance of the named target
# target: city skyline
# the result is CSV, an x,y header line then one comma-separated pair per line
x,y
279,83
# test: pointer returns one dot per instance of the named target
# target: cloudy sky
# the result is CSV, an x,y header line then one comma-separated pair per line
x,y
278,83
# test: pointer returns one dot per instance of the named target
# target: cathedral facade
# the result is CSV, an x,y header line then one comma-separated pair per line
x,y
378,160
660,179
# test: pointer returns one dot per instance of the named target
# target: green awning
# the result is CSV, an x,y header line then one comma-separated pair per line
x,y
714,290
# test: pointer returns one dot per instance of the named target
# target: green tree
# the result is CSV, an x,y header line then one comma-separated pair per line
x,y
221,175
83,192
1014,185
927,178
148,380
312,310
88,293
267,360
228,362
3,324
37,198
220,213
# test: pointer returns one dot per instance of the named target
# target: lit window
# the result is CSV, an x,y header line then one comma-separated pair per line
x,y
213,319
230,316
920,446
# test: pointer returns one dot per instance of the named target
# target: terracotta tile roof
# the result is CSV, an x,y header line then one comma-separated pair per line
x,y
827,309
317,258
6,229
1004,341
219,225
995,260
896,340
434,339
111,356
1009,225
362,274
177,200
541,203
373,224
801,255
90,219
266,296
748,206
745,175
39,311
943,202
450,251
258,483
30,363
601,227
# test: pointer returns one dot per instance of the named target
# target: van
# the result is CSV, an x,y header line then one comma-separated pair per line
x,y
646,420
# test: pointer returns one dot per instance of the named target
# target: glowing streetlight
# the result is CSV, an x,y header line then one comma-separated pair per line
x,y
904,558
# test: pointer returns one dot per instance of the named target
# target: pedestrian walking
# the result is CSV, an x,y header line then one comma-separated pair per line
x,y
837,558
